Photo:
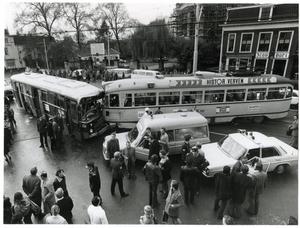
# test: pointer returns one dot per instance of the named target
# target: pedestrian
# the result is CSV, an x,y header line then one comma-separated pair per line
x,y
117,175
94,179
50,133
60,181
57,133
259,180
173,202
237,166
77,75
96,213
153,176
146,143
164,139
148,217
55,217
185,148
200,163
32,186
147,112
158,111
47,192
154,146
113,145
7,132
42,129
227,220
129,156
222,190
88,76
165,166
199,146
9,112
294,128
240,183
60,122
7,212
22,208
115,76
188,175
6,143
65,204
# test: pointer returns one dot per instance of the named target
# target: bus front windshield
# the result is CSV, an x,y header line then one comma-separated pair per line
x,y
232,147
90,107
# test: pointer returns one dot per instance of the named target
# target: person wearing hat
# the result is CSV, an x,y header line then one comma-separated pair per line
x,y
47,192
94,179
147,112
199,163
259,180
113,145
185,149
165,166
65,204
117,175
32,186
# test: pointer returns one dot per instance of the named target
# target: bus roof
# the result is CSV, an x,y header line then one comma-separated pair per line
x,y
178,119
192,82
66,87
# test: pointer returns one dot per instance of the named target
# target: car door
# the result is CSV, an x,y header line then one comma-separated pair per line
x,y
273,156
141,153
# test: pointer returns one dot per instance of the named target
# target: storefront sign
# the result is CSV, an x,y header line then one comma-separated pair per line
x,y
262,55
281,55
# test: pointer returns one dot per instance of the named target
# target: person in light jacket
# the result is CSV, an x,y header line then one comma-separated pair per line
x,y
294,128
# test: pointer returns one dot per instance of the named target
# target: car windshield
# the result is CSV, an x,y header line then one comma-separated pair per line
x,y
232,147
132,135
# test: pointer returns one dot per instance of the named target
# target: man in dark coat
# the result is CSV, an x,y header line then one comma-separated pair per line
x,y
117,175
165,167
240,183
153,176
60,181
50,133
32,186
188,175
42,129
65,204
237,166
198,162
185,148
223,190
154,146
113,145
94,179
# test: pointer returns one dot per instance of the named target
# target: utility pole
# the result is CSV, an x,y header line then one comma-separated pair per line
x,y
108,51
198,16
46,54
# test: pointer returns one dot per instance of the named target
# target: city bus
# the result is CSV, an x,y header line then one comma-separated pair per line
x,y
78,103
219,99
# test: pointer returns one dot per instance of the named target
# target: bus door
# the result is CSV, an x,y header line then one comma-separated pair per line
x,y
62,110
44,107
69,117
30,100
21,93
35,102
17,92
74,120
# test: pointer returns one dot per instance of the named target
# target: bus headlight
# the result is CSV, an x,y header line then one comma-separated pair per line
x,y
83,126
91,130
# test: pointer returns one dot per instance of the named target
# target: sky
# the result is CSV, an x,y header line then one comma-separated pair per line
x,y
143,11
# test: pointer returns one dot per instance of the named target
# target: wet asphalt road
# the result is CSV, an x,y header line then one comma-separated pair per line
x,y
279,201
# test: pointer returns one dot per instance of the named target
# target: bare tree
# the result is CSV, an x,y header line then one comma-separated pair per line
x,y
77,15
38,15
116,15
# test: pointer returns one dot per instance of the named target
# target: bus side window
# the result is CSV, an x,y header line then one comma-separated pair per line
x,y
128,100
114,100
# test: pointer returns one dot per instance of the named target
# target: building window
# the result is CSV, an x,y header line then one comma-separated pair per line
x,y
6,40
6,51
246,43
261,66
279,67
231,42
284,41
265,13
264,41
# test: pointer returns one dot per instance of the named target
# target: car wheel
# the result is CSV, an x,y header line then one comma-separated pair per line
x,y
258,119
280,169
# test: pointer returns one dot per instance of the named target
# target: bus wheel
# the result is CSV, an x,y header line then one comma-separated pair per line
x,y
28,109
258,119
280,169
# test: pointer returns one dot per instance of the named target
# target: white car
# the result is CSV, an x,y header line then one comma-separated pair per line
x,y
82,73
295,99
274,154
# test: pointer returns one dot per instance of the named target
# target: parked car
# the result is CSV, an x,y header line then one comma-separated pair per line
x,y
274,154
8,91
81,74
295,99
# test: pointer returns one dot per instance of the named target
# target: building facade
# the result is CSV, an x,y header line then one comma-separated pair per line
x,y
261,38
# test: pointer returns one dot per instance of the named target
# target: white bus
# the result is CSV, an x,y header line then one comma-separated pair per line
x,y
79,103
142,74
122,72
219,99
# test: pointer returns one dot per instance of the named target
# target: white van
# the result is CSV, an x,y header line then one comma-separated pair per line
x,y
120,71
138,74
177,125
